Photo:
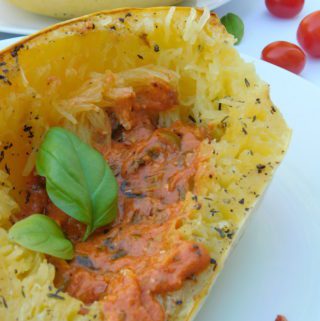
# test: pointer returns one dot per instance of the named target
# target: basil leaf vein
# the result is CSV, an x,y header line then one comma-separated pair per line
x,y
42,234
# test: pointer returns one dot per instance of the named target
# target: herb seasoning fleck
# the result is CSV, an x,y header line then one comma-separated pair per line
x,y
4,302
28,129
56,295
22,292
118,255
14,52
85,262
214,263
109,244
260,168
213,212
7,169
221,232
198,206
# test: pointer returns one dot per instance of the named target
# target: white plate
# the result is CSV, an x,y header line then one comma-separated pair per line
x,y
17,21
275,267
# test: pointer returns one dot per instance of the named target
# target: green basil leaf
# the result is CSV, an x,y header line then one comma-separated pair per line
x,y
78,179
234,25
42,234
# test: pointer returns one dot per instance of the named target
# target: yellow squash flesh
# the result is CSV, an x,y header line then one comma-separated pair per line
x,y
41,85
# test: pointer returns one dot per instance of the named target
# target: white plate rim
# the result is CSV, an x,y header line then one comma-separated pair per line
x,y
27,31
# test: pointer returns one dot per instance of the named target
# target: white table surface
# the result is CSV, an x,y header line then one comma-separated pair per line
x,y
261,28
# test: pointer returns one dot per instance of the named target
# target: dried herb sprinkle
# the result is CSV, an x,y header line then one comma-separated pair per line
x,y
260,168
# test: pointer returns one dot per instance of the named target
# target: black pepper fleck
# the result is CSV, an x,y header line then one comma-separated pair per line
x,y
28,129
214,263
260,168
14,52
4,302
55,295
7,146
223,121
213,212
192,118
7,169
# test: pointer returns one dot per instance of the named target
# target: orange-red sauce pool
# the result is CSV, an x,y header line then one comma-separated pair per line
x,y
127,264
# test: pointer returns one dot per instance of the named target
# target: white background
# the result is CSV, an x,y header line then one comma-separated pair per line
x,y
261,28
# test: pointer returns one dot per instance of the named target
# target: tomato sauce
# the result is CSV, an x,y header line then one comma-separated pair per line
x,y
128,263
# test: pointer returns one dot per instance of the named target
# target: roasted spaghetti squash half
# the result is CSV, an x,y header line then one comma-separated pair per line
x,y
190,133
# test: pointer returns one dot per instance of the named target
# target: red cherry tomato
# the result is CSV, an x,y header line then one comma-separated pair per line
x,y
284,8
309,34
286,55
